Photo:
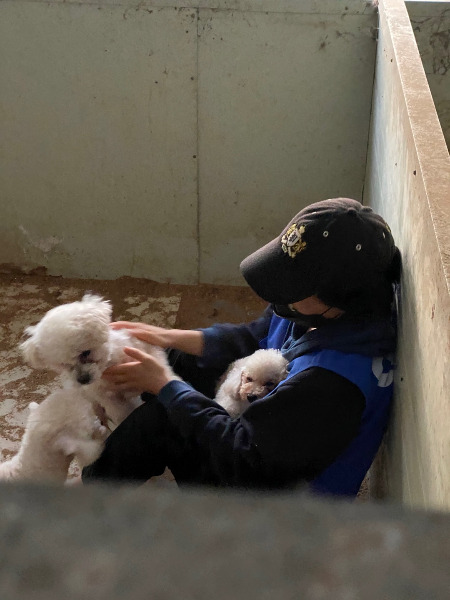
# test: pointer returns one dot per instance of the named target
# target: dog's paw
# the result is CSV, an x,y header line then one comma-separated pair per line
x,y
100,432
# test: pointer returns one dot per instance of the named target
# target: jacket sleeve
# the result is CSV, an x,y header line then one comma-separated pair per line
x,y
224,343
289,436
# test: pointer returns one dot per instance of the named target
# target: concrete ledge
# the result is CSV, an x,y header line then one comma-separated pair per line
x,y
147,543
315,7
408,182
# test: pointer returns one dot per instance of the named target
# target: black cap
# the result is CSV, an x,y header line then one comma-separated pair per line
x,y
334,243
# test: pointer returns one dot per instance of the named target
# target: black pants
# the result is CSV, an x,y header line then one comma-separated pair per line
x,y
145,443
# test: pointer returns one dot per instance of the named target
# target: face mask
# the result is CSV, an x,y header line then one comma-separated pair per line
x,y
286,312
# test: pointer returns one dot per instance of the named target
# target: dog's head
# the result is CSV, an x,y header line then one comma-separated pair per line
x,y
72,339
261,373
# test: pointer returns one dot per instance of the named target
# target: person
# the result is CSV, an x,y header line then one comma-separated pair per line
x,y
329,280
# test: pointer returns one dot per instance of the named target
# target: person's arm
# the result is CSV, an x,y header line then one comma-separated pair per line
x,y
225,343
186,340
216,346
289,436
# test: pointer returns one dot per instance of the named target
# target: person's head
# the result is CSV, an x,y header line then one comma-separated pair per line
x,y
336,251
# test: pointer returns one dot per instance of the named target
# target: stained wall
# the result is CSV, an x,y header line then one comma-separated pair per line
x,y
170,139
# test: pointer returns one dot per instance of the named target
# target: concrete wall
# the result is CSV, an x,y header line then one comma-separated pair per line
x,y
170,139
431,25
110,544
408,181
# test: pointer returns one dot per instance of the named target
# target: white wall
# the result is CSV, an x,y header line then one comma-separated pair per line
x,y
168,140
408,182
98,132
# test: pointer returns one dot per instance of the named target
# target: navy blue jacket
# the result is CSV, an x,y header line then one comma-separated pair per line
x,y
322,425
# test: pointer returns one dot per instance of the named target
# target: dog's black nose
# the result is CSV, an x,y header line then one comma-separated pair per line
x,y
84,378
251,397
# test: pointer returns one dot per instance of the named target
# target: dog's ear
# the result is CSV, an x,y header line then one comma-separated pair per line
x,y
231,381
240,382
30,350
242,378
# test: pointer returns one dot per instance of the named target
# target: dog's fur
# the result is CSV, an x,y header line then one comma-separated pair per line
x,y
250,378
76,341
59,429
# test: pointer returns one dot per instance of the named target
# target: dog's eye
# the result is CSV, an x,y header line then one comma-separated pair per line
x,y
269,384
84,356
249,379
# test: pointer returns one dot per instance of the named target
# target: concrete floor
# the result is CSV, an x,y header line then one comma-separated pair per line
x,y
24,299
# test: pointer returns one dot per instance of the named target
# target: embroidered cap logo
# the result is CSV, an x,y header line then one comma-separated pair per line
x,y
291,242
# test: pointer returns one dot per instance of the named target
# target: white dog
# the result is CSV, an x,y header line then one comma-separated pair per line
x,y
76,341
59,429
250,378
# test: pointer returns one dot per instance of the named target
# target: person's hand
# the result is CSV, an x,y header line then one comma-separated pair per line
x,y
158,336
144,374
186,340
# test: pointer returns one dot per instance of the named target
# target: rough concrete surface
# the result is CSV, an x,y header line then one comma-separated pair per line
x,y
408,182
148,543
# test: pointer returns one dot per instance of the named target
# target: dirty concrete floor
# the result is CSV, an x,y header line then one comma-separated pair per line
x,y
24,299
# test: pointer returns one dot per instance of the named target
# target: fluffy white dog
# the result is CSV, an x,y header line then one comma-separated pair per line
x,y
250,378
76,341
59,429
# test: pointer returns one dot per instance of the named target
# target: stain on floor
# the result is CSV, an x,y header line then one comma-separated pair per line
x,y
24,299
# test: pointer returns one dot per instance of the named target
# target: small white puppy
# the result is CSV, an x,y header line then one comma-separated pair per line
x,y
59,429
250,378
76,341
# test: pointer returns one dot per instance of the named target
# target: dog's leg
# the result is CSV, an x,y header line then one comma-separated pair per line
x,y
86,451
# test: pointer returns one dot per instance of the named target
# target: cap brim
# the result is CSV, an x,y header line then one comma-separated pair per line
x,y
270,274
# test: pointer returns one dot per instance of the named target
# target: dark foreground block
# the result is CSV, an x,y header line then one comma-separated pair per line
x,y
153,544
